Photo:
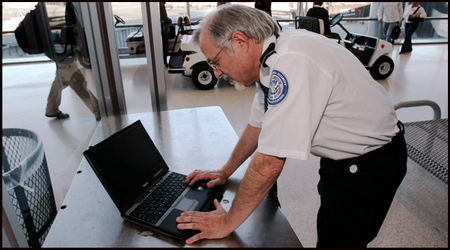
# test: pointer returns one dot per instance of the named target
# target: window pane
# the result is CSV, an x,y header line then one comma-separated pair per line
x,y
12,14
176,9
131,14
284,10
349,9
201,9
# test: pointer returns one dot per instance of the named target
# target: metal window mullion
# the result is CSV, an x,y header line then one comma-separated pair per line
x,y
188,9
90,23
154,54
112,55
104,57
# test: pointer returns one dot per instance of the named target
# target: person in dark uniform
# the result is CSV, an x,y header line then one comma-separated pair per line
x,y
319,12
264,6
166,22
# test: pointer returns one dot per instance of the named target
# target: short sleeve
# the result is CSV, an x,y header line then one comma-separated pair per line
x,y
423,13
299,93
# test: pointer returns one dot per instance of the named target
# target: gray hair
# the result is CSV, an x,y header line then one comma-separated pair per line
x,y
221,24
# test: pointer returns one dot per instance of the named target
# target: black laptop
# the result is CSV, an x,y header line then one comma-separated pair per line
x,y
139,182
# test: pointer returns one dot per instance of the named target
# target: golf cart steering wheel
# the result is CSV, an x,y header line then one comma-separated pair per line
x,y
118,20
336,19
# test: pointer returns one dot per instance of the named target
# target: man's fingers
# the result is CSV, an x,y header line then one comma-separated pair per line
x,y
191,175
212,183
185,219
193,213
195,238
203,176
217,204
192,226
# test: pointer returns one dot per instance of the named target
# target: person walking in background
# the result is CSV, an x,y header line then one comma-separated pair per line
x,y
69,69
412,16
319,12
68,73
166,22
390,14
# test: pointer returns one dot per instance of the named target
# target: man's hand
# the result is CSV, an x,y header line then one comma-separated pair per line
x,y
216,177
212,225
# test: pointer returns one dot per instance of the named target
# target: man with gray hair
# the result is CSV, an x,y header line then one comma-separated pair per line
x,y
312,96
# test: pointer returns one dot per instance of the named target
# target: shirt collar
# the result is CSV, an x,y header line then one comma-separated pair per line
x,y
267,42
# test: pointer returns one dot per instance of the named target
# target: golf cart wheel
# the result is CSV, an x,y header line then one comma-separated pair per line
x,y
203,76
382,68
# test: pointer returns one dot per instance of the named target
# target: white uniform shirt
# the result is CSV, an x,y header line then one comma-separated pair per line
x,y
390,12
410,9
323,101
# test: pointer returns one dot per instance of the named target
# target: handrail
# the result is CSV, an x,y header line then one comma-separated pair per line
x,y
363,19
117,26
417,103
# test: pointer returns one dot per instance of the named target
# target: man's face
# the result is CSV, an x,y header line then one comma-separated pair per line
x,y
236,64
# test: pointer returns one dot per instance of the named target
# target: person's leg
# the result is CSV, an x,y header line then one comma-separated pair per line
x,y
412,30
407,44
353,206
54,98
389,32
79,85
385,29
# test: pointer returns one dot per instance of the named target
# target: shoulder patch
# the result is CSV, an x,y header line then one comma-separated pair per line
x,y
278,87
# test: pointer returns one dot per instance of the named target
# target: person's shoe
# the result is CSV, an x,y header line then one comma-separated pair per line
x,y
59,116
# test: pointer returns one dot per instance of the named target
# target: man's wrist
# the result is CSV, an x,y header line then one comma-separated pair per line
x,y
231,225
227,170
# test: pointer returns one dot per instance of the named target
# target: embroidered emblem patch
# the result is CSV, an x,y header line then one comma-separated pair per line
x,y
278,87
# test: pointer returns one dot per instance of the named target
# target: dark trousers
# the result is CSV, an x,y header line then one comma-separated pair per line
x,y
354,205
410,28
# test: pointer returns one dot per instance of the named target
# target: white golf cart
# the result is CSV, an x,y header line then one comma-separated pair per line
x,y
190,61
371,51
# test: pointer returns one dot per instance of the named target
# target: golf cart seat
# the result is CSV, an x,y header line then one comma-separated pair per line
x,y
312,24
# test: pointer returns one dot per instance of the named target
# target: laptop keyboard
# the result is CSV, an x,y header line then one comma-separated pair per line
x,y
160,200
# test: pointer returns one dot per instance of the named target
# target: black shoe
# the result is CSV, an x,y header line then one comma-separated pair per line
x,y
59,116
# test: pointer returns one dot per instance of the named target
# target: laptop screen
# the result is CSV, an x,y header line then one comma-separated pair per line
x,y
127,163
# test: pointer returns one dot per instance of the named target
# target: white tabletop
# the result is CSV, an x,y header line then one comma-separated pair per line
x,y
188,139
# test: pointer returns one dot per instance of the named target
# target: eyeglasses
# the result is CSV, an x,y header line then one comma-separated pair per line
x,y
213,63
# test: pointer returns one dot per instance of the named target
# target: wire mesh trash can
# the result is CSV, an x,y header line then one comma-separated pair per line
x,y
27,181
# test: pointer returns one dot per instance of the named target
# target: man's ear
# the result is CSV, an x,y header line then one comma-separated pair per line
x,y
240,39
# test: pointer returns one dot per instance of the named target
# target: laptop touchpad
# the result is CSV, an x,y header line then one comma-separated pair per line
x,y
186,204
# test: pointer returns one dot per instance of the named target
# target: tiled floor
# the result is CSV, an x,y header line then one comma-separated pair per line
x,y
423,74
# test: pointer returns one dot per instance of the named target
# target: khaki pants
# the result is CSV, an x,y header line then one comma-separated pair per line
x,y
69,74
